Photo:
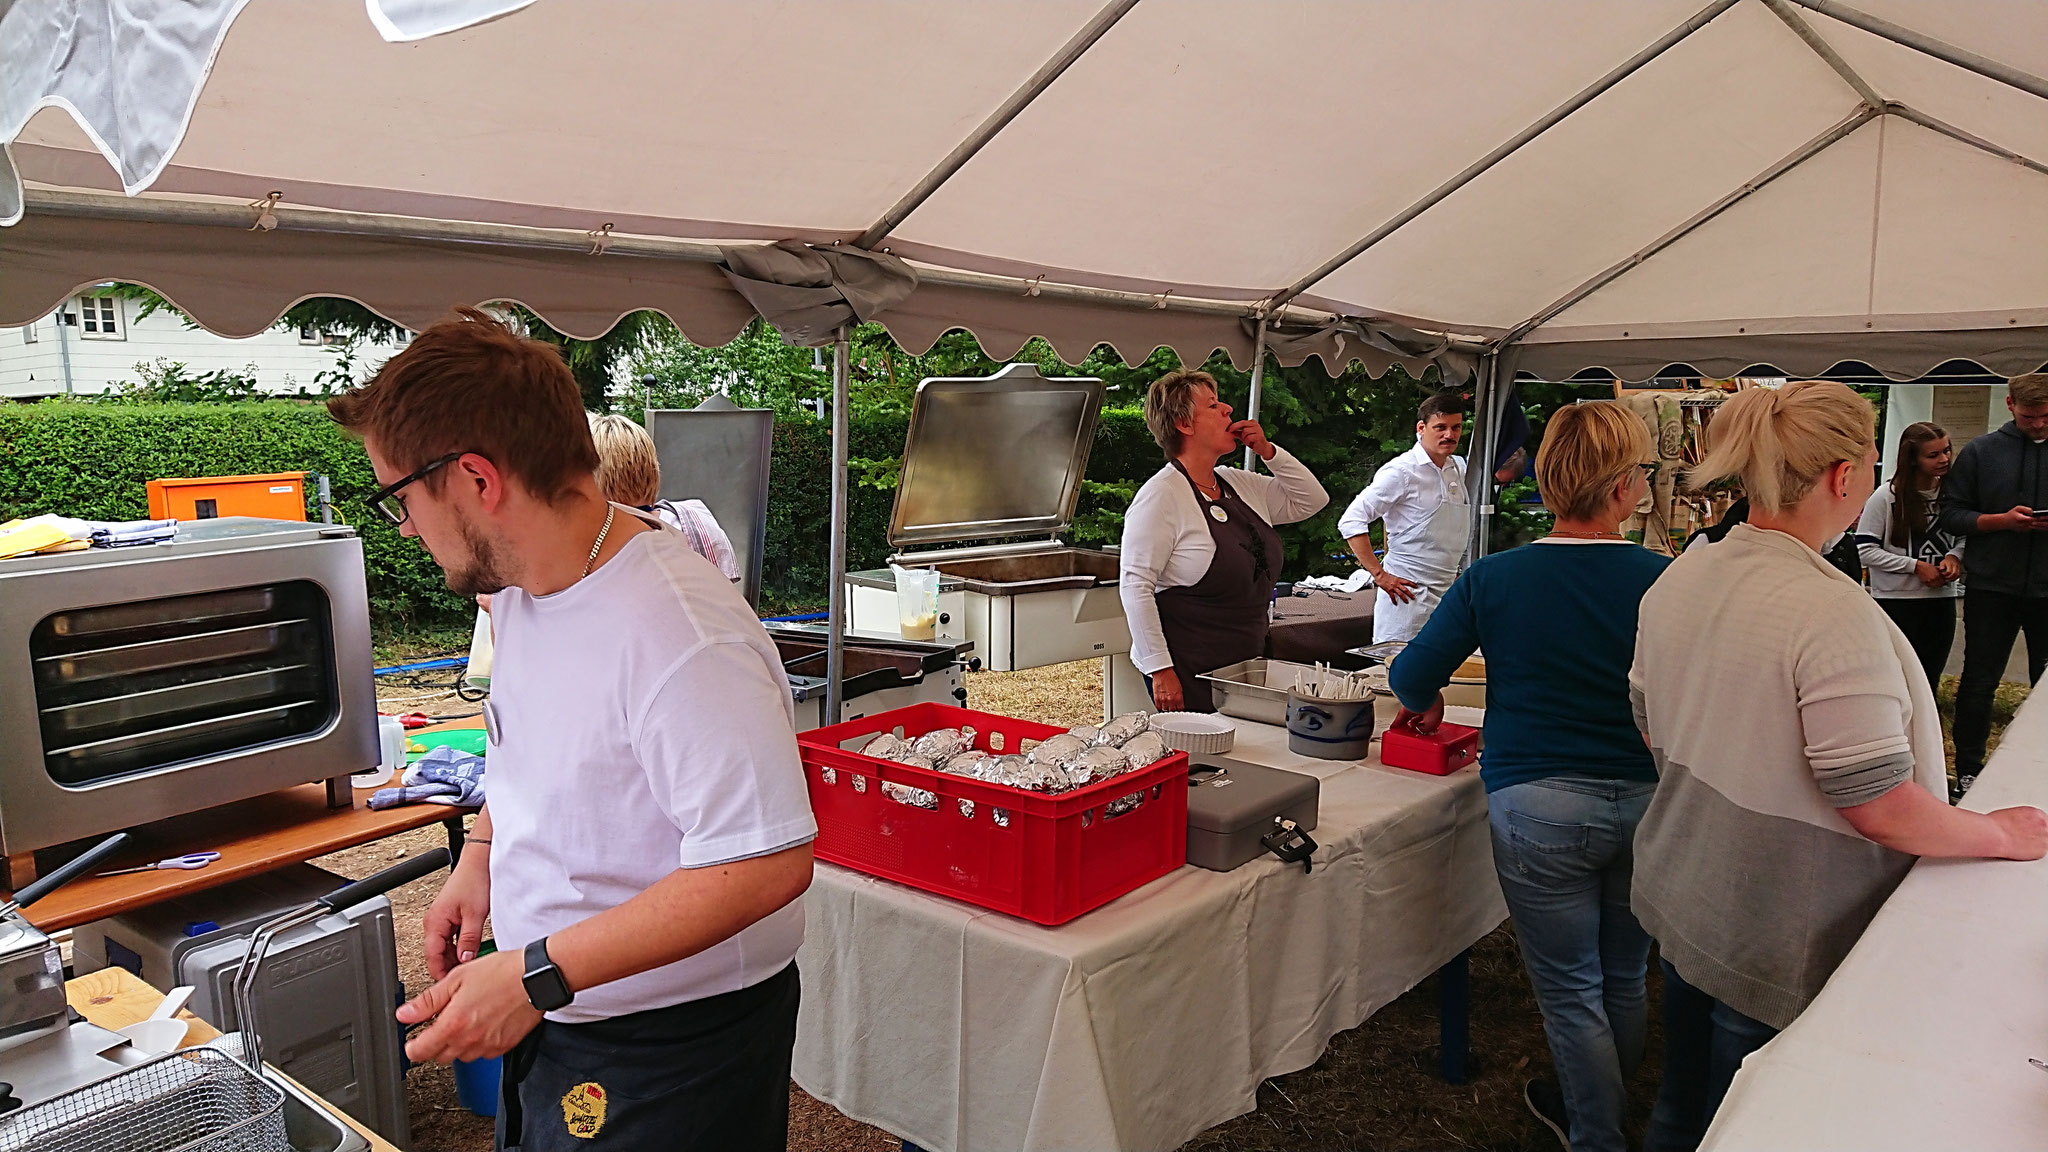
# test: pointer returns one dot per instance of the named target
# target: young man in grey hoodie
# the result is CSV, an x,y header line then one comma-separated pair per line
x,y
1997,494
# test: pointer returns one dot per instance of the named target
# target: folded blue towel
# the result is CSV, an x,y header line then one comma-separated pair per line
x,y
443,776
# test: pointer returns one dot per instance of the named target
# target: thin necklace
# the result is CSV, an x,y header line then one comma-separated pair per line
x,y
1587,535
1204,489
609,511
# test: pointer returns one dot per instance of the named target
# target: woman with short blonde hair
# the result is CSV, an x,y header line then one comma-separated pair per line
x,y
1773,840
629,473
1199,554
1567,776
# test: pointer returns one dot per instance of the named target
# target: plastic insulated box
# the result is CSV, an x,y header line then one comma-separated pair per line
x,y
1045,858
1232,804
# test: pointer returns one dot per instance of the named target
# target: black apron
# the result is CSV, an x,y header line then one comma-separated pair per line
x,y
1221,618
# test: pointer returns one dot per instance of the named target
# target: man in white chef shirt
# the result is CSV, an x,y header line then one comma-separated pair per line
x,y
1420,494
648,827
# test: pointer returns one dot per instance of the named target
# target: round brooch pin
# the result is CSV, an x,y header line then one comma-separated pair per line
x,y
1217,511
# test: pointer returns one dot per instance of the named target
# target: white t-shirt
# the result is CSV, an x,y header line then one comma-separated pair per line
x,y
644,725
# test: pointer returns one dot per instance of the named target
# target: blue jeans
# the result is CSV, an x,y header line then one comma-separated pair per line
x,y
1564,850
1704,1043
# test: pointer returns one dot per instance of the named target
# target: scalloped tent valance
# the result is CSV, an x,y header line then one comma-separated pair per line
x,y
1622,183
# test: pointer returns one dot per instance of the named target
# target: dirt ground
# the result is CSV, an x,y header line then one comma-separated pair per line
x,y
1375,1088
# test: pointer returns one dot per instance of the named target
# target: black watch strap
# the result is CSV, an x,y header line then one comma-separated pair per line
x,y
545,987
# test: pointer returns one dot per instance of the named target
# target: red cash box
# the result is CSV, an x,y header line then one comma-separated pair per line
x,y
1449,748
1045,858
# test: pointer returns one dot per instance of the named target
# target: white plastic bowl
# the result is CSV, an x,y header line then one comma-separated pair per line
x,y
1200,732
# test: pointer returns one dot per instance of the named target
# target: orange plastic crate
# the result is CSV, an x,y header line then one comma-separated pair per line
x,y
1046,858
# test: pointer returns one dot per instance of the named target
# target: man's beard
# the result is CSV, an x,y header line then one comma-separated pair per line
x,y
483,574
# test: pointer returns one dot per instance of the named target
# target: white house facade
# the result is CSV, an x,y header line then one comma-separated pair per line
x,y
95,343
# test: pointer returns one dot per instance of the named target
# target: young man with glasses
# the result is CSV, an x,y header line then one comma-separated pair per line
x,y
648,830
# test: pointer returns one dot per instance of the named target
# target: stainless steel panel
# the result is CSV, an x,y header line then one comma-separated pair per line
x,y
720,455
994,457
232,553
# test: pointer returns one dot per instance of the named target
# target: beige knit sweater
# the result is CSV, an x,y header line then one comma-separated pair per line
x,y
1774,693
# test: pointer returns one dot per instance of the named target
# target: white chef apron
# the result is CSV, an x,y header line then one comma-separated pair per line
x,y
1431,561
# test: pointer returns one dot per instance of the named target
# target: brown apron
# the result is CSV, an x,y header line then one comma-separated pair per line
x,y
1221,618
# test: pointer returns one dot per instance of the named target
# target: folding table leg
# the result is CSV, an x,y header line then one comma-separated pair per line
x,y
456,838
1454,1008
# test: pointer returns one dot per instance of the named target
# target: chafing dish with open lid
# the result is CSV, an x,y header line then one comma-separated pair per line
x,y
992,470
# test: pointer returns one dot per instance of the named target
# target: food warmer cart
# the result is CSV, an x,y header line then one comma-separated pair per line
x,y
991,476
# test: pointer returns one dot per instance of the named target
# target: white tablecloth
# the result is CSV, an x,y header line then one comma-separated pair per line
x,y
1921,1039
1149,1020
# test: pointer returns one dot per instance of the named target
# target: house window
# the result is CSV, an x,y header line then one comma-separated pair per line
x,y
99,318
402,339
310,335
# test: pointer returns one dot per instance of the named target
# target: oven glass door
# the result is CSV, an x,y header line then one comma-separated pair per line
x,y
128,688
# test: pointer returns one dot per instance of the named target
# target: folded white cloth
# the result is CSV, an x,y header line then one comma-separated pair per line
x,y
110,533
1359,578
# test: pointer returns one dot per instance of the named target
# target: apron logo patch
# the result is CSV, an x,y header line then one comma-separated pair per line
x,y
583,1109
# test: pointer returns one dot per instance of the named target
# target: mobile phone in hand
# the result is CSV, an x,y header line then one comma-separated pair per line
x,y
2039,514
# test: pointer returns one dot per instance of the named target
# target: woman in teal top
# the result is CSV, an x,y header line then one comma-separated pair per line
x,y
1567,774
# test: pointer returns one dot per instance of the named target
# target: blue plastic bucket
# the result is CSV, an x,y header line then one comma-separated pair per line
x,y
476,1084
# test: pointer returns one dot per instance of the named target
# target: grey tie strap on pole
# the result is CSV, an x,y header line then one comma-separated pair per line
x,y
835,642
809,292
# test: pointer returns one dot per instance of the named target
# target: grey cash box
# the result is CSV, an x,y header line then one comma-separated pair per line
x,y
1235,808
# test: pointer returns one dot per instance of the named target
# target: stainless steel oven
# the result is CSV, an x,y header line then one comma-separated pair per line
x,y
145,682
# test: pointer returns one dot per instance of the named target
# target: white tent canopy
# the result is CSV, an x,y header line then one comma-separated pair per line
x,y
1484,184
1621,183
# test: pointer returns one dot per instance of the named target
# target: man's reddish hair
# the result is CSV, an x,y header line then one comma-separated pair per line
x,y
472,384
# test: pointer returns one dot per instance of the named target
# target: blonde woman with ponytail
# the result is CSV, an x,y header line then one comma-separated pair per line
x,y
1799,756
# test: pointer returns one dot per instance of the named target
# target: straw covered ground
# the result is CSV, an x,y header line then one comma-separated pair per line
x,y
1376,1088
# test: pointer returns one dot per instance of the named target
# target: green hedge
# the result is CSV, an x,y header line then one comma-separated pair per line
x,y
92,461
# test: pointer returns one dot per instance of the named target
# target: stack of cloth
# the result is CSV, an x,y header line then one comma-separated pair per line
x,y
42,534
443,776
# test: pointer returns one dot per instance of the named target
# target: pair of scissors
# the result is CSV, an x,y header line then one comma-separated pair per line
x,y
186,862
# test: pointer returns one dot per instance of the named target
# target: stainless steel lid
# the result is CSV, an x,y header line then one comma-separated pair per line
x,y
994,457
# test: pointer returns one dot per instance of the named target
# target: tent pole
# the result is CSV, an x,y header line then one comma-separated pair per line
x,y
1251,408
1782,9
1914,115
998,120
1929,46
1801,155
835,641
1479,458
1550,120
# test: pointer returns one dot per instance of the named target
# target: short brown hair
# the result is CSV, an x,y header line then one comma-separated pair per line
x,y
1587,449
472,384
2029,389
628,472
1171,402
1445,403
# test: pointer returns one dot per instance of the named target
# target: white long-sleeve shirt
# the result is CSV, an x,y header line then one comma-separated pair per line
x,y
1405,492
1167,544
1892,568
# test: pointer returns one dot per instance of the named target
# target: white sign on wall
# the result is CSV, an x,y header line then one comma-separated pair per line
x,y
1964,410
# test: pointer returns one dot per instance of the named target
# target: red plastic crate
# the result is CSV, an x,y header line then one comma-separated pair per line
x,y
1449,748
1046,858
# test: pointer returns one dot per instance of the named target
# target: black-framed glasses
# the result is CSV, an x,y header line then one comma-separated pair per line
x,y
390,503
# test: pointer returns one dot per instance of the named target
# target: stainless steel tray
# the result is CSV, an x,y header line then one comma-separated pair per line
x,y
174,652
236,689
1241,690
